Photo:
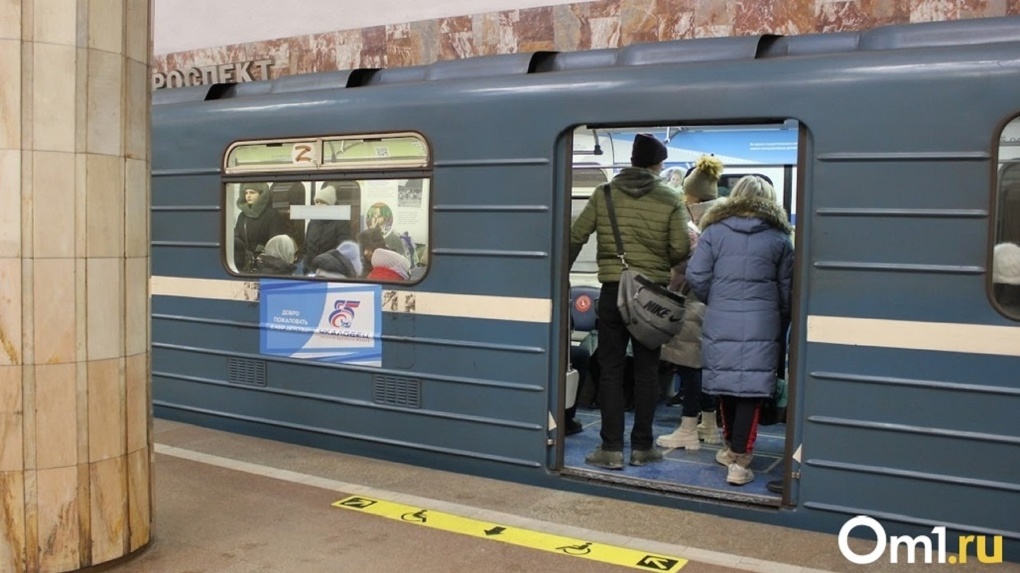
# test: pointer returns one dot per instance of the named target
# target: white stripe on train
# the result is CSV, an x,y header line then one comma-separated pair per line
x,y
902,334
538,310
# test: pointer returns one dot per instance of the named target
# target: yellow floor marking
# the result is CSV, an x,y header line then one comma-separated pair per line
x,y
533,539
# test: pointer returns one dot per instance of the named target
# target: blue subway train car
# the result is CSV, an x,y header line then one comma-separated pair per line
x,y
374,261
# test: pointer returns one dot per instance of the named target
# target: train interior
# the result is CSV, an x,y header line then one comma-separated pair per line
x,y
768,150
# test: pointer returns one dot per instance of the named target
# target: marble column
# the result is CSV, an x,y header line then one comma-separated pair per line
x,y
75,421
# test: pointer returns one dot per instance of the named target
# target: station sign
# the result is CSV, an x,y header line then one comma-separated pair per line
x,y
234,72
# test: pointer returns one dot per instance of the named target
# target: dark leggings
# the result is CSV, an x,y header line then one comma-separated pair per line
x,y
694,401
740,422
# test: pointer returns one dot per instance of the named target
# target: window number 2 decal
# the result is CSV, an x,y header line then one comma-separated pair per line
x,y
303,153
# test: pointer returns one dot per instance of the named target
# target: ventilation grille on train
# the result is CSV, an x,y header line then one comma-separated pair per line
x,y
246,371
397,391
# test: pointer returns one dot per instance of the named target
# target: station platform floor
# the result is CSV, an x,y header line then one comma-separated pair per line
x,y
228,503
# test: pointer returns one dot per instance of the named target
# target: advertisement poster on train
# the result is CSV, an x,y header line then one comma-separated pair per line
x,y
321,321
399,207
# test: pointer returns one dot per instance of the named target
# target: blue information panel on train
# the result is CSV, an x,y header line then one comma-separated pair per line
x,y
321,321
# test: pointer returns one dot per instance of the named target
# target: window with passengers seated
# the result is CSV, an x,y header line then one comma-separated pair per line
x,y
1005,259
307,208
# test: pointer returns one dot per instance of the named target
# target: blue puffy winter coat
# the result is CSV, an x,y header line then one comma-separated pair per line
x,y
743,270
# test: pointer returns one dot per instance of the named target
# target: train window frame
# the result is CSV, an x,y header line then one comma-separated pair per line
x,y
371,188
1004,282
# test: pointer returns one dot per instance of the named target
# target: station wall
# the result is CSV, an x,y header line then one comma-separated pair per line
x,y
558,27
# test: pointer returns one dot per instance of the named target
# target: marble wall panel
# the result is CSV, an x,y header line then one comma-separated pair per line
x,y
139,498
107,426
10,92
12,522
105,320
11,420
53,97
57,514
56,416
11,351
579,26
108,509
54,21
106,25
53,305
104,202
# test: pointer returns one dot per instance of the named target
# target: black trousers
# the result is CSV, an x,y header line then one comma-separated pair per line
x,y
695,401
612,359
740,422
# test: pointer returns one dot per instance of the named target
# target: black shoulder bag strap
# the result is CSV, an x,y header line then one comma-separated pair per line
x,y
616,229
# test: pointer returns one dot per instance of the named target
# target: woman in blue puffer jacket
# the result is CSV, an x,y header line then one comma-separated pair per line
x,y
743,270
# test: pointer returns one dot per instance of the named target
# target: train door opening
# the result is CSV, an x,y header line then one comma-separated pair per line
x,y
768,150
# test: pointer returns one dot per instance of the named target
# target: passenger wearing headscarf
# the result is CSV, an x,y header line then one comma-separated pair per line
x,y
278,257
341,262
323,235
1006,276
388,265
256,223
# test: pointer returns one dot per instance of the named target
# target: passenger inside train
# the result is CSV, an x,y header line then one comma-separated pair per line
x,y
323,235
257,222
278,257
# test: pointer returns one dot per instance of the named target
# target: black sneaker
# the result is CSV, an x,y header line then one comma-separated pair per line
x,y
642,457
775,486
605,459
572,427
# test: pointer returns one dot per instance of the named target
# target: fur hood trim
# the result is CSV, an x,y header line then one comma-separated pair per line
x,y
769,212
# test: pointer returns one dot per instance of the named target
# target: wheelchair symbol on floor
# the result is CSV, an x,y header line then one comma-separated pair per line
x,y
418,516
576,549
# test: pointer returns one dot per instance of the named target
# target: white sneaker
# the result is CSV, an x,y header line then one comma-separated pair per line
x,y
738,474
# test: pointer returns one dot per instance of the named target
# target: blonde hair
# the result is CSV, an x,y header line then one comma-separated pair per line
x,y
752,186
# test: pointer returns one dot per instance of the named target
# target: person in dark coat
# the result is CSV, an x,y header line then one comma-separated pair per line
x,y
370,239
341,262
653,228
256,224
743,270
323,235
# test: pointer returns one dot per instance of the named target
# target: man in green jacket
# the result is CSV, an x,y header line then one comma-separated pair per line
x,y
653,227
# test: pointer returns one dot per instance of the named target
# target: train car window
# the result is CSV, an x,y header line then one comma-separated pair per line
x,y
326,220
1005,262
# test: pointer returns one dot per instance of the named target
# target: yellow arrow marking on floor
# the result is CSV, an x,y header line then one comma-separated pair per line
x,y
533,539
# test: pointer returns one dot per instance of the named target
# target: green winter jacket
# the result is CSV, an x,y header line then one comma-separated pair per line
x,y
652,221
